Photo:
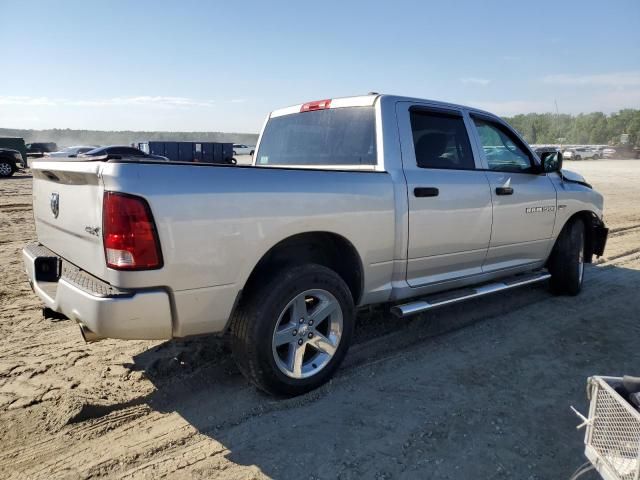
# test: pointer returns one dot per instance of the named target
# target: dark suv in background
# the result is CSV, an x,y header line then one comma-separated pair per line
x,y
15,143
38,149
10,161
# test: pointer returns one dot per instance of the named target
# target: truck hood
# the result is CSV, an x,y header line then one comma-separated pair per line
x,y
572,176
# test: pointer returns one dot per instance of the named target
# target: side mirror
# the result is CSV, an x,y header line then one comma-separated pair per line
x,y
551,162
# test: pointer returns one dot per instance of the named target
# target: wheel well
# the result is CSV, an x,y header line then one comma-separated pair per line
x,y
589,219
323,248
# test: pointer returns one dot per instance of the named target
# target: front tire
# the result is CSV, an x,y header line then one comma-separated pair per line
x,y
566,263
6,169
289,336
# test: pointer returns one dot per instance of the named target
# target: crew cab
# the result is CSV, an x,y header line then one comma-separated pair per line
x,y
349,202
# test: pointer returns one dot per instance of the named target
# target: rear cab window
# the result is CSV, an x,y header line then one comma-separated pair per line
x,y
332,137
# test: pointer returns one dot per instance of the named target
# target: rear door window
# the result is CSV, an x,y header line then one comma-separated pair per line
x,y
332,137
440,140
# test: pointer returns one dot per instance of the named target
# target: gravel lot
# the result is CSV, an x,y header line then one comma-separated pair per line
x,y
478,390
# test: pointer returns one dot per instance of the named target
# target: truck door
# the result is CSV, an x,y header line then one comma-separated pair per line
x,y
524,200
449,198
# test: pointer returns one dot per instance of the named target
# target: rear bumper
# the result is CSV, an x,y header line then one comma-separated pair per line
x,y
107,312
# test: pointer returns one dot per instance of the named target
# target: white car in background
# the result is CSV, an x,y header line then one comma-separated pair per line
x,y
608,153
242,149
580,153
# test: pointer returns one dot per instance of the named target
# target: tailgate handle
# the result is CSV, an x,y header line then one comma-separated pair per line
x,y
504,191
426,192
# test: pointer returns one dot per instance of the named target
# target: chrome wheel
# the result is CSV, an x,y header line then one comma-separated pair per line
x,y
5,169
307,333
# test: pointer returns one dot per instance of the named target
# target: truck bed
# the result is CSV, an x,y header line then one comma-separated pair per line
x,y
213,221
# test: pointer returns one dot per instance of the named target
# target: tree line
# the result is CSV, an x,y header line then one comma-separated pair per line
x,y
584,129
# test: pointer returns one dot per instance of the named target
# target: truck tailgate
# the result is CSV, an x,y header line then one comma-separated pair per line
x,y
67,206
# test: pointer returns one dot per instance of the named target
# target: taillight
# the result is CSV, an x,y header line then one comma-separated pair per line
x,y
129,234
317,105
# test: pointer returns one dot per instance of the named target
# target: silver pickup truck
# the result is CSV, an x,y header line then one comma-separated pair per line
x,y
350,202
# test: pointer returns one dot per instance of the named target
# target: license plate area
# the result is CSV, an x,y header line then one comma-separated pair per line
x,y
47,269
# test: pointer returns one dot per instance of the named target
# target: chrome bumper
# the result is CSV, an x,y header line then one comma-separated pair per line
x,y
106,311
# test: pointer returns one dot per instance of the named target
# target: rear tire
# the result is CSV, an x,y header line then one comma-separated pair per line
x,y
291,334
6,168
578,157
566,263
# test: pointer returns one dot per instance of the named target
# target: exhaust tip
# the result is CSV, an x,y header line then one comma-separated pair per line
x,y
88,335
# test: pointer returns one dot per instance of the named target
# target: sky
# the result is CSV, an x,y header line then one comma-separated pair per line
x,y
224,65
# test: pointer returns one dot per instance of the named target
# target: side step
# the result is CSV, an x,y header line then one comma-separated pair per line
x,y
455,296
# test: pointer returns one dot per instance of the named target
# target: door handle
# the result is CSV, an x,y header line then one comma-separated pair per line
x,y
504,191
426,192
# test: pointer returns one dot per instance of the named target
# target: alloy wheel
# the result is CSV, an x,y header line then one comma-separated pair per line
x,y
5,169
307,333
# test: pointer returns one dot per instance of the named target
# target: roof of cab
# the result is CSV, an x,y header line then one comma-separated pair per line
x,y
370,99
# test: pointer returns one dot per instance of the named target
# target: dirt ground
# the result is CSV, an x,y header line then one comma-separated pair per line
x,y
480,390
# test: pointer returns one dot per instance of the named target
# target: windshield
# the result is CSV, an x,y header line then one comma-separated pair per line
x,y
338,136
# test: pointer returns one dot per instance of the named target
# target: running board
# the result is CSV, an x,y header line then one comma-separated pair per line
x,y
455,296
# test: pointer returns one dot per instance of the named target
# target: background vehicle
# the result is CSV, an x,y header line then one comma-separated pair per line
x,y
15,143
71,151
609,153
38,149
580,153
10,161
122,150
350,202
242,149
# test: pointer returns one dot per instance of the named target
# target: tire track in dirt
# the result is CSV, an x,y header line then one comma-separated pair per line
x,y
615,232
4,207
